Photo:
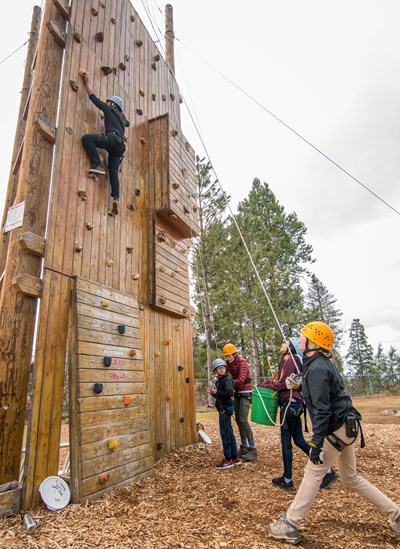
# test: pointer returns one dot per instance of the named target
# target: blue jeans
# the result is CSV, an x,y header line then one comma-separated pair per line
x,y
226,431
291,429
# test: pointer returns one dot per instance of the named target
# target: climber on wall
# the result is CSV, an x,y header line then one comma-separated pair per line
x,y
112,141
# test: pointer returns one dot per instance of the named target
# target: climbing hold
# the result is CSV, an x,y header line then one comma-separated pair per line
x,y
173,216
95,12
172,96
69,130
78,248
185,310
136,276
131,207
139,111
106,70
181,419
122,66
100,36
157,57
174,133
167,342
187,379
153,96
82,194
168,396
162,269
110,263
184,172
164,97
180,368
132,352
73,85
173,274
173,243
104,477
154,66
163,300
180,99
175,200
126,57
178,269
175,185
77,37
157,353
102,3
139,43
112,444
141,93
194,194
107,360
129,249
141,307
187,146
137,192
162,236
126,400
178,328
143,140
113,21
194,208
159,445
89,225
132,18
105,303
185,210
98,388
121,328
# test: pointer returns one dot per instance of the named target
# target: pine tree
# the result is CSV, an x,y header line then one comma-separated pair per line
x,y
359,357
321,305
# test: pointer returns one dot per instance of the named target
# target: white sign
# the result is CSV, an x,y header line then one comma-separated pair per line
x,y
15,216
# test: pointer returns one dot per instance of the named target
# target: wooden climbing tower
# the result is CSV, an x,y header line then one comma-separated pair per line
x,y
103,297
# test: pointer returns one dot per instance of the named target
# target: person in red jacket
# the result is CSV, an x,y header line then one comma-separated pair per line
x,y
240,371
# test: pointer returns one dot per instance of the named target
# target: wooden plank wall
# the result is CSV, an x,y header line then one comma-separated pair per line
x,y
109,431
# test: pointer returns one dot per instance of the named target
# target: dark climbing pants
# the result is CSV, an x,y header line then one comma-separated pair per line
x,y
115,149
226,431
242,409
291,429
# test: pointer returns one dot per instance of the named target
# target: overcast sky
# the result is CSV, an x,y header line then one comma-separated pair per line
x,y
330,70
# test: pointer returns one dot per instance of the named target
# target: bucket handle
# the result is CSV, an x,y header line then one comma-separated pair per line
x,y
266,411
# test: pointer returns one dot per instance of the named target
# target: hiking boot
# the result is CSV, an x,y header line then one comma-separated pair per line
x,y
236,461
280,482
328,480
224,464
250,455
97,168
115,206
243,450
282,529
394,525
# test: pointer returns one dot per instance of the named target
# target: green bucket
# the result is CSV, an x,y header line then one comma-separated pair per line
x,y
264,400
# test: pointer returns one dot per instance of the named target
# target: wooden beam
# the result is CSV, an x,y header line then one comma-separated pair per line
x,y
63,8
28,285
32,242
46,129
57,33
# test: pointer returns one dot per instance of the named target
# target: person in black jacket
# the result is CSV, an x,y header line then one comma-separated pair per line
x,y
112,141
223,393
336,426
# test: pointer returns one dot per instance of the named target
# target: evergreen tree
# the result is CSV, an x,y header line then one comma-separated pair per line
x,y
393,363
321,305
359,357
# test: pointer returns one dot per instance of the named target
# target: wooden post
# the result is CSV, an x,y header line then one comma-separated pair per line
x,y
18,310
19,132
169,37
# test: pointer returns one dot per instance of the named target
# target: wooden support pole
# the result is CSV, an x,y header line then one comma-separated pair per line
x,y
19,133
18,310
169,37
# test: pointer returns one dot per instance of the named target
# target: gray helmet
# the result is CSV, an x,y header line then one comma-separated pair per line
x,y
117,100
218,362
295,341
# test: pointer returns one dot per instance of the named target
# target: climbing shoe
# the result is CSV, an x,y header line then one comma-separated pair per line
x,y
394,525
224,464
115,206
280,482
250,455
97,168
328,480
282,529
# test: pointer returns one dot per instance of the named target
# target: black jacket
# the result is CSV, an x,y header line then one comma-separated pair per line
x,y
327,401
225,388
114,120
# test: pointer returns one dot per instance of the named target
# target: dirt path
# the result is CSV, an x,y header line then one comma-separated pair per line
x,y
188,503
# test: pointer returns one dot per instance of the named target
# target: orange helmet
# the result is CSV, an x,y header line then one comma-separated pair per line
x,y
229,349
320,334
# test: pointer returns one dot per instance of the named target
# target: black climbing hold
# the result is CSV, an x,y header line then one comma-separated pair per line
x,y
98,388
107,361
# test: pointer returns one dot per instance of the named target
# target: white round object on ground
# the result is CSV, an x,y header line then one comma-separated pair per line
x,y
55,493
204,437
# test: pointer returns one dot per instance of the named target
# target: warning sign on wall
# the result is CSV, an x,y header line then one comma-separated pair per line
x,y
15,216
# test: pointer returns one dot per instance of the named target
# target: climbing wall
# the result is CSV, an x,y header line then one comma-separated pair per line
x,y
125,414
109,422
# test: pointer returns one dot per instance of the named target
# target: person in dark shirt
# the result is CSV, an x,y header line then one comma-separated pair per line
x,y
336,427
223,393
112,141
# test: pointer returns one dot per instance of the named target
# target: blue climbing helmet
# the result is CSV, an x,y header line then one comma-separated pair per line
x,y
117,100
295,341
218,362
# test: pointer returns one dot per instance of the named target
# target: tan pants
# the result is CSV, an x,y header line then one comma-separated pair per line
x,y
346,460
